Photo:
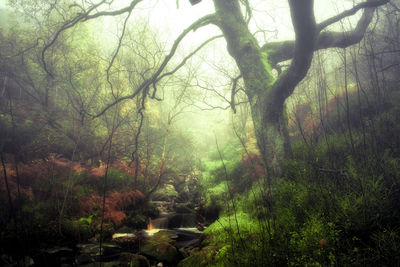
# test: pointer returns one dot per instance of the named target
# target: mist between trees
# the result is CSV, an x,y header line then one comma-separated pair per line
x,y
274,126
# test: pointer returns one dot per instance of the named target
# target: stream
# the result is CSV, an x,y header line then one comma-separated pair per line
x,y
168,239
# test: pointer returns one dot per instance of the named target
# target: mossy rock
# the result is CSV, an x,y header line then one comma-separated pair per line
x,y
163,252
161,247
78,230
204,257
164,236
129,259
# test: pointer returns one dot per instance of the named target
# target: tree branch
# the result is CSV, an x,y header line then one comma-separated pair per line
x,y
116,53
81,17
305,29
350,12
155,77
282,51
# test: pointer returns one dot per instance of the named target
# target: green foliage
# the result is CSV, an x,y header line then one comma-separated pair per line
x,y
205,257
88,220
135,221
228,225
330,209
314,243
117,180
387,246
79,230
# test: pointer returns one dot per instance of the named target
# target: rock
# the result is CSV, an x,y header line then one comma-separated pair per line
x,y
90,249
83,259
26,261
102,264
119,235
162,251
129,259
111,264
204,257
127,241
109,251
188,239
161,247
54,256
166,235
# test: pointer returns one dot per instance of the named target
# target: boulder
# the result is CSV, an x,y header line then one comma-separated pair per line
x,y
128,241
161,251
161,247
82,259
203,257
109,251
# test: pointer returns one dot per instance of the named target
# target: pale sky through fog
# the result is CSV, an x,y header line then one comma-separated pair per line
x,y
270,15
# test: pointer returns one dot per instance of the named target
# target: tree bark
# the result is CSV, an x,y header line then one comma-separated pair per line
x,y
267,95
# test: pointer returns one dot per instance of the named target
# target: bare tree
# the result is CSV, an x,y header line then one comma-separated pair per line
x,y
266,93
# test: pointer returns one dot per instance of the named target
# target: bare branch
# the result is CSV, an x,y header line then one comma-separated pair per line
x,y
116,53
189,56
350,12
81,17
234,91
154,78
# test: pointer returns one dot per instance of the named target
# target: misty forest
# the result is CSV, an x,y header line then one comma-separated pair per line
x,y
199,133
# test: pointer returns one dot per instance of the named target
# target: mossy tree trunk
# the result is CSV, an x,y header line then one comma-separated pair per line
x,y
267,94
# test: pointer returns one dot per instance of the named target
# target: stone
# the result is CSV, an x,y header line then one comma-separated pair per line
x,y
129,259
118,235
162,251
83,259
161,247
109,251
166,234
127,241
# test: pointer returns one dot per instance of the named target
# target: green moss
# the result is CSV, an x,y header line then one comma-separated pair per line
x,y
205,257
222,230
267,66
129,259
